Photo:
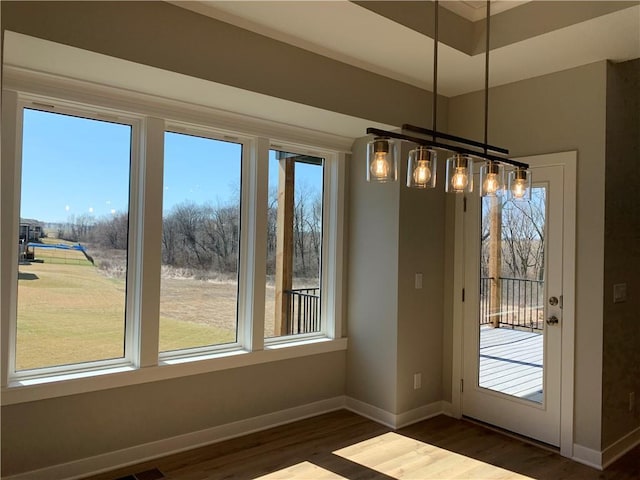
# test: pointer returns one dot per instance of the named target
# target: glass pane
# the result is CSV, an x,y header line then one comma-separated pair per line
x,y
294,241
74,213
512,293
200,242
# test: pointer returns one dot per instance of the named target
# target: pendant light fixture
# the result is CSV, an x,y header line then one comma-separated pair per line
x,y
381,160
421,168
422,160
459,174
491,179
520,184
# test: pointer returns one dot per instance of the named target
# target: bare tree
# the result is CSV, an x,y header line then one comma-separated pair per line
x,y
112,232
523,237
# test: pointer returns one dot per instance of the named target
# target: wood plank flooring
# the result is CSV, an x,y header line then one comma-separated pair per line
x,y
511,362
343,445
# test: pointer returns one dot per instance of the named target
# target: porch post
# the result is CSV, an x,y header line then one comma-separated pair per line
x,y
495,259
284,241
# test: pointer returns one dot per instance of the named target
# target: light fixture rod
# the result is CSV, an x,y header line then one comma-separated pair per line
x,y
444,146
486,78
434,113
453,138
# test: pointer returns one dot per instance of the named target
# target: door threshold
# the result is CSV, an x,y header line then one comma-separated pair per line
x,y
516,436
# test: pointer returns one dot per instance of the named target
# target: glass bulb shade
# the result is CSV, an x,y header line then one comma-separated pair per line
x,y
459,174
421,168
491,179
520,184
381,161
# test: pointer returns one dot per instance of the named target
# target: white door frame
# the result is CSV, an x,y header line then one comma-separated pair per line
x,y
568,160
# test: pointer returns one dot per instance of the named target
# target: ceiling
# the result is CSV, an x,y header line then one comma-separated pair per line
x,y
394,38
475,9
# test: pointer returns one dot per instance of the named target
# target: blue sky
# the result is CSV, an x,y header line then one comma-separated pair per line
x,y
73,166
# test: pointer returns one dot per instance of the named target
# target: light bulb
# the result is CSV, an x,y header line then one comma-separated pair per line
x,y
380,165
422,173
460,179
519,188
491,184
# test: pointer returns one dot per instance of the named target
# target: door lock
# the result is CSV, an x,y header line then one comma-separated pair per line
x,y
552,320
556,301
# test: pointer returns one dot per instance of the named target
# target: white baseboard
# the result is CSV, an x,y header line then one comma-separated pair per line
x,y
447,409
393,420
141,453
587,456
369,411
602,459
418,414
620,447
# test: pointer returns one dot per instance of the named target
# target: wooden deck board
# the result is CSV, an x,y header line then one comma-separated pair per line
x,y
511,362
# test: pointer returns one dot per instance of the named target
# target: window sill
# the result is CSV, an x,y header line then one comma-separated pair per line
x,y
20,391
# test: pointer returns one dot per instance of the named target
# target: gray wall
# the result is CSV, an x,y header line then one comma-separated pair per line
x,y
621,343
420,311
554,113
372,301
48,432
172,38
394,329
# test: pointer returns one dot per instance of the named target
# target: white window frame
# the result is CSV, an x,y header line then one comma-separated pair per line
x,y
243,320
327,267
152,117
131,310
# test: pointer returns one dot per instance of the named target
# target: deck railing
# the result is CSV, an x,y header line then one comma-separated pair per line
x,y
521,303
303,311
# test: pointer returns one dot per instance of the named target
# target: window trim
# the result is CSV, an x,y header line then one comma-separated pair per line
x,y
131,307
246,234
155,116
328,158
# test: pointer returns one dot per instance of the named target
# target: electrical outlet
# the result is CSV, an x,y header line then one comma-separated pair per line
x,y
632,401
418,281
620,293
417,381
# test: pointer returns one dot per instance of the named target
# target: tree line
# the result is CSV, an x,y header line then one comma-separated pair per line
x,y
206,237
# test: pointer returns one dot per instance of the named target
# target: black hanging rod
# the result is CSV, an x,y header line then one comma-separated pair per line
x,y
453,138
444,146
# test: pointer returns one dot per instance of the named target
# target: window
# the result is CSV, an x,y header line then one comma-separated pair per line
x,y
72,261
144,241
200,242
294,244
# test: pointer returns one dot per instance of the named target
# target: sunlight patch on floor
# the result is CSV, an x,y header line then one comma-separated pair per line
x,y
401,457
300,471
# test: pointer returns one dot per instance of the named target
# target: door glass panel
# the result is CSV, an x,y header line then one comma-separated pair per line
x,y
512,295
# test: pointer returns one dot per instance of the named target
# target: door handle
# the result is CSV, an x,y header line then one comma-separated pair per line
x,y
552,320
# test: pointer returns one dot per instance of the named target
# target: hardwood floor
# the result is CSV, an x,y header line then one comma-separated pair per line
x,y
343,445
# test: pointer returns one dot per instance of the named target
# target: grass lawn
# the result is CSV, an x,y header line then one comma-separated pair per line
x,y
67,314
71,312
